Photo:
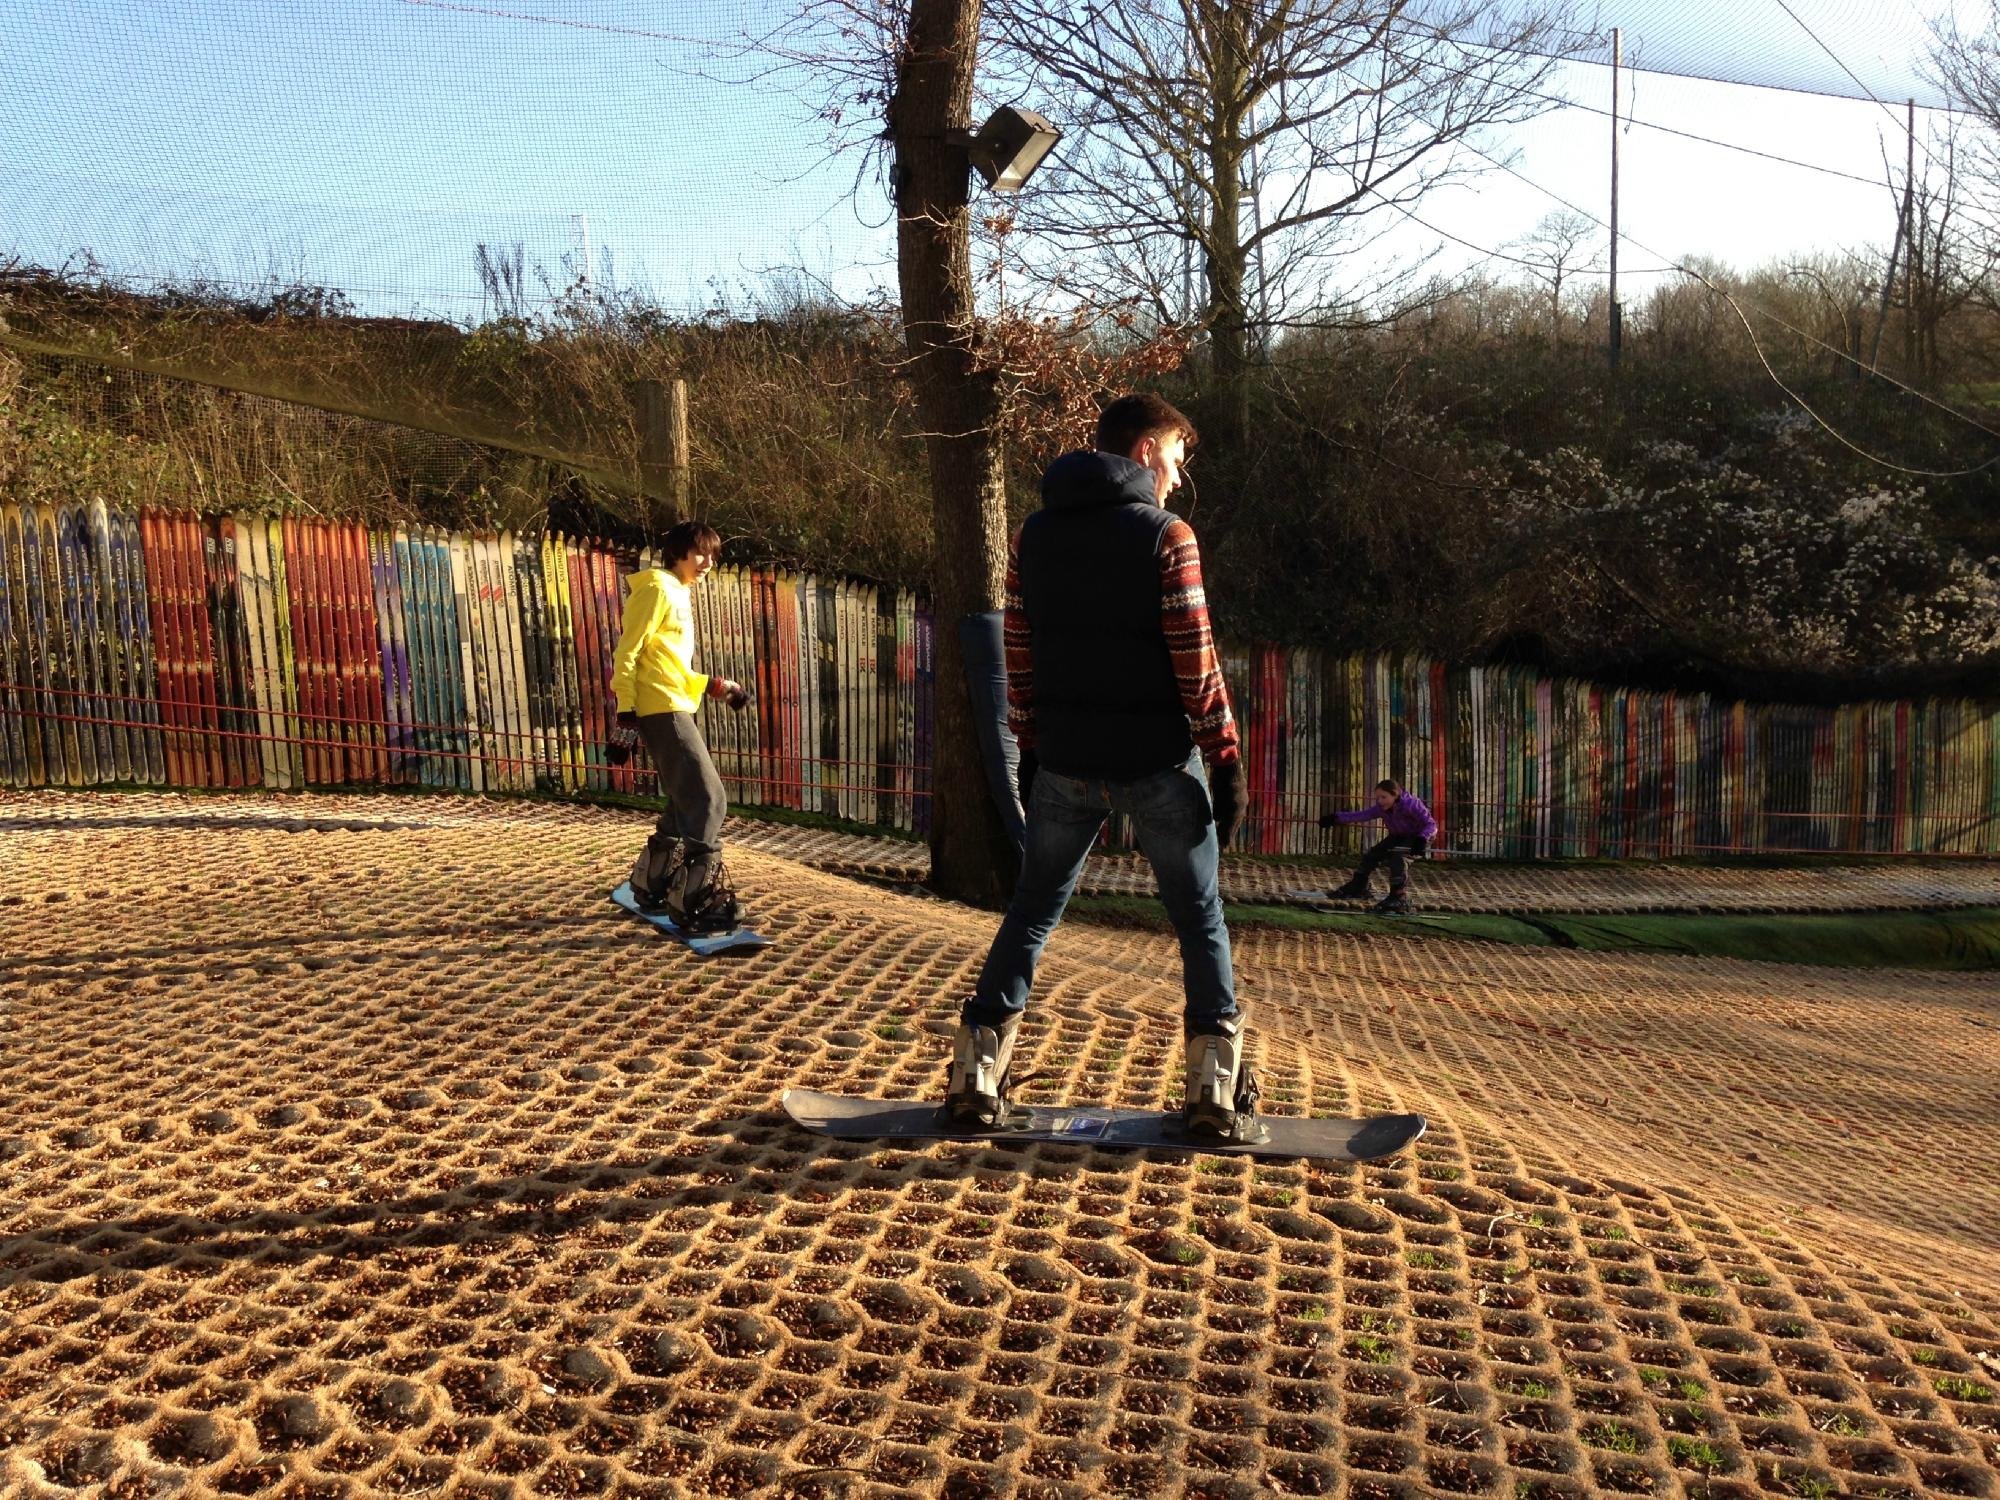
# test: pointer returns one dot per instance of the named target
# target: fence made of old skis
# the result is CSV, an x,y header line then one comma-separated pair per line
x,y
175,649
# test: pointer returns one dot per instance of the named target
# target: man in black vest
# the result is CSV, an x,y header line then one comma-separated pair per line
x,y
1115,696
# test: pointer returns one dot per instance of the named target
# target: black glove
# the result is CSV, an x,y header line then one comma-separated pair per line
x,y
1225,794
624,739
1025,770
1419,846
1329,820
737,699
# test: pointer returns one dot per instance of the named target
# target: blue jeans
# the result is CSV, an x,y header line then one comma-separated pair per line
x,y
1176,827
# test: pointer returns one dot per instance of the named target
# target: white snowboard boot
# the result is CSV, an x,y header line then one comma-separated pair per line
x,y
981,1059
1220,1102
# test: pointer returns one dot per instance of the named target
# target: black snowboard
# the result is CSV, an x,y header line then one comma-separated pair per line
x,y
852,1119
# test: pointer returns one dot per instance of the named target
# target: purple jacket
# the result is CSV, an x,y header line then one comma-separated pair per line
x,y
1406,816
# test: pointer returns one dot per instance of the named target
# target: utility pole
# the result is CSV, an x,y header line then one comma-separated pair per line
x,y
1617,320
582,222
1902,236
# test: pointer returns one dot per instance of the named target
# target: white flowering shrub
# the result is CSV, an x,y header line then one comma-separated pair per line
x,y
1764,558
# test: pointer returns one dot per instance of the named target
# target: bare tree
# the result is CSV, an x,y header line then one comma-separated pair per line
x,y
1836,310
1555,252
1948,262
503,280
1259,142
1965,61
892,81
959,399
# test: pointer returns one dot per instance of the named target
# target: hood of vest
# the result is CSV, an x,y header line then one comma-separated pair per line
x,y
1086,479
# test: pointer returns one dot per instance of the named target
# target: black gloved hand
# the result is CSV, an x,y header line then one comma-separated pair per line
x,y
1026,770
1225,794
1329,820
624,739
1419,847
737,698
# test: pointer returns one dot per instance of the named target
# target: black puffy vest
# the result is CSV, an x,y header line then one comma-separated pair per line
x,y
1106,701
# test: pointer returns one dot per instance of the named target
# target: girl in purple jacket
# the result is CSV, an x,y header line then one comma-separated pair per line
x,y
1410,831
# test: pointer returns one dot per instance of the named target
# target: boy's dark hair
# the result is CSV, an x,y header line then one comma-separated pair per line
x,y
1390,787
687,537
1130,420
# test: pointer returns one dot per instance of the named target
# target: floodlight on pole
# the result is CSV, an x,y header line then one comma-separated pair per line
x,y
1009,146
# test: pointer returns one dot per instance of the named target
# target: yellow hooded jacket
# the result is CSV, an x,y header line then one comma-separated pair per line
x,y
653,669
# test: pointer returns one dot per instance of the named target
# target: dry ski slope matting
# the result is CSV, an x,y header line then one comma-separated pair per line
x,y
1815,884
364,1150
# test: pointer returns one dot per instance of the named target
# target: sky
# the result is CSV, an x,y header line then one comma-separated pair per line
x,y
370,145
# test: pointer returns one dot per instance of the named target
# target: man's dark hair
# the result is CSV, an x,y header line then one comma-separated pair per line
x,y
687,537
1130,420
1390,787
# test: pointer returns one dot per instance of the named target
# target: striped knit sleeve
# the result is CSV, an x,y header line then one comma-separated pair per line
x,y
1184,616
1020,660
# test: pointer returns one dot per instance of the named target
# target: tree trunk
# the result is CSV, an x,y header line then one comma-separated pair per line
x,y
1228,260
958,404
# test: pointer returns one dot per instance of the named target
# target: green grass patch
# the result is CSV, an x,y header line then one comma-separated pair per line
x,y
1693,1453
1960,1389
1614,1437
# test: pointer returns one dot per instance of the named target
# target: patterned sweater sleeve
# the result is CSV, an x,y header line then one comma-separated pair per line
x,y
1184,616
1020,658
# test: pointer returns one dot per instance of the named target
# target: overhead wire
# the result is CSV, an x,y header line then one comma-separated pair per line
x,y
1757,345
1959,238
1602,41
1536,265
1902,125
1867,95
568,21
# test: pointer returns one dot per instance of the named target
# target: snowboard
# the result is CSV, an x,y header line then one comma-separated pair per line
x,y
707,944
853,1119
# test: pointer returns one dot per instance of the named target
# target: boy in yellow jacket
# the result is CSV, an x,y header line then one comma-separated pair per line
x,y
680,871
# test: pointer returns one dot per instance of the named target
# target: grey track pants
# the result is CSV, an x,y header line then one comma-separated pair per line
x,y
696,803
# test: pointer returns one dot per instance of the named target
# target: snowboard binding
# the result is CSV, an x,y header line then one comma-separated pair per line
x,y
686,882
982,1060
1220,1100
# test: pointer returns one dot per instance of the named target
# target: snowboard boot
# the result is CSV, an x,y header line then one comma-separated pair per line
x,y
1354,890
699,897
1220,1100
975,1096
654,871
1395,904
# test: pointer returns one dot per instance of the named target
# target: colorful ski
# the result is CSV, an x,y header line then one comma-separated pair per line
x,y
16,702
